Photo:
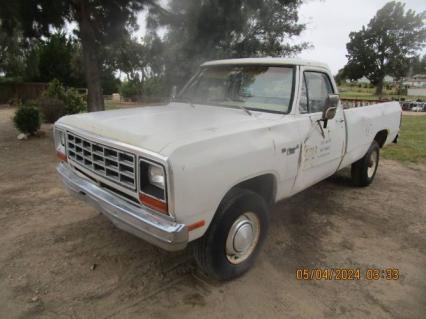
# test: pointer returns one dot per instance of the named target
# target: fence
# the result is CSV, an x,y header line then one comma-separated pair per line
x,y
350,103
21,91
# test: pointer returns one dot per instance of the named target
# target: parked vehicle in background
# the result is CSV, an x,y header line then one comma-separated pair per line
x,y
205,169
406,106
418,107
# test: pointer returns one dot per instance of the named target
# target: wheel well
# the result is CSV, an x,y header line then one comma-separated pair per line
x,y
264,185
381,137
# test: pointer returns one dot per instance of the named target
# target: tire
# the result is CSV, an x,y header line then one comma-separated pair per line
x,y
364,170
239,213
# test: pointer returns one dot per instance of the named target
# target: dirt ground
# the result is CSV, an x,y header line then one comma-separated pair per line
x,y
61,259
413,113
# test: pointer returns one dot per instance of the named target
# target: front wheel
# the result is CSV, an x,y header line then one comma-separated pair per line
x,y
364,170
235,236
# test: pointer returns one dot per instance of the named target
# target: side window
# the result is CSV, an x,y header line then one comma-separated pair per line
x,y
319,87
303,104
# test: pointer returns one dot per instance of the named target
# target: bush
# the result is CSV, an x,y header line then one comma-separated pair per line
x,y
131,89
51,109
74,103
55,90
27,119
71,101
155,87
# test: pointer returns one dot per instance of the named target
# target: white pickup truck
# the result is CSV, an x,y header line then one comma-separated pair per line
x,y
205,168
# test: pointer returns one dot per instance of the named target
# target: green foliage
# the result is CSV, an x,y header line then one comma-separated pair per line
x,y
56,57
27,119
72,102
340,77
131,89
402,90
110,84
56,90
195,31
205,30
418,65
56,60
13,48
353,92
155,87
99,23
411,145
51,108
385,46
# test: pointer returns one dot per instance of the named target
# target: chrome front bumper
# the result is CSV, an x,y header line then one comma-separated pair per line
x,y
138,221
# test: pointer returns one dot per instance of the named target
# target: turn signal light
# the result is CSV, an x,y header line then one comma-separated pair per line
x,y
61,156
153,203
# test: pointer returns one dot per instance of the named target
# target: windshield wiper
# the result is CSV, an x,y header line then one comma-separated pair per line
x,y
245,109
241,106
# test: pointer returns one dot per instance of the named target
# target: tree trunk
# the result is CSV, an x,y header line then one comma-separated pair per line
x,y
95,100
379,87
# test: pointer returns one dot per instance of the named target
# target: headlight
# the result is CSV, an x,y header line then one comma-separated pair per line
x,y
62,138
156,176
153,188
59,137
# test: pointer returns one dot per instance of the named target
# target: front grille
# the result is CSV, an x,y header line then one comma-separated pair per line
x,y
113,164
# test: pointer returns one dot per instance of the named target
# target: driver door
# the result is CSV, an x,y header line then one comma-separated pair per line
x,y
322,147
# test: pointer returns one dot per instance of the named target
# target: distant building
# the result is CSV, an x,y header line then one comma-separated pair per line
x,y
416,85
416,91
416,81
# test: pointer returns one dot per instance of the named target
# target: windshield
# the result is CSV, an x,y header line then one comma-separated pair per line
x,y
262,88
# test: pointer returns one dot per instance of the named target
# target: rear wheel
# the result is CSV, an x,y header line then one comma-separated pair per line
x,y
364,170
235,236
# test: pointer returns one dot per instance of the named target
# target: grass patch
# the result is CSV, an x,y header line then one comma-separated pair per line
x,y
362,93
411,145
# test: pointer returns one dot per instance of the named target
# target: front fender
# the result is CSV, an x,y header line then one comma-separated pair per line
x,y
203,172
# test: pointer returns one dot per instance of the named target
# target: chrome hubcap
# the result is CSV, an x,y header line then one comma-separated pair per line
x,y
372,163
242,238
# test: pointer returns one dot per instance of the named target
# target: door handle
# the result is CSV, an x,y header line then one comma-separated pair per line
x,y
340,121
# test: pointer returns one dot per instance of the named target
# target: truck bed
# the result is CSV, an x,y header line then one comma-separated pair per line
x,y
362,125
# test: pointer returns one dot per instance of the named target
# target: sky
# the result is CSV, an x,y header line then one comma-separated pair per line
x,y
328,24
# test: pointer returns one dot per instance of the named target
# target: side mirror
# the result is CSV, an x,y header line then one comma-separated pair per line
x,y
330,108
174,92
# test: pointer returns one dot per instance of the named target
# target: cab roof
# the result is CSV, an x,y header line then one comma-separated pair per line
x,y
269,61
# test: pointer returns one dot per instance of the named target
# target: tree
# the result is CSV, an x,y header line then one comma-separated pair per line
x,y
141,62
340,77
12,54
99,23
417,66
212,29
19,57
55,60
109,82
137,59
385,45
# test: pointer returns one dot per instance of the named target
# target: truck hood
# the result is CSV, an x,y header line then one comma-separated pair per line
x,y
155,127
